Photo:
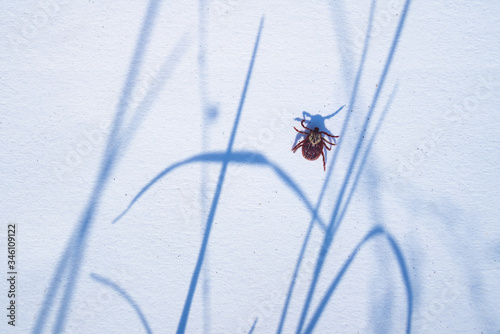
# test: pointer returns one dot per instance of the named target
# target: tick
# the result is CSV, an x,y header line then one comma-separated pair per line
x,y
312,145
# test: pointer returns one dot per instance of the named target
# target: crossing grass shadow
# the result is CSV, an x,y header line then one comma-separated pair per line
x,y
65,277
210,113
181,328
250,158
376,231
326,182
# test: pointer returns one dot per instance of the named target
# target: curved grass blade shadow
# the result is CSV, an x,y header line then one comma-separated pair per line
x,y
244,157
378,230
76,246
334,222
194,280
126,296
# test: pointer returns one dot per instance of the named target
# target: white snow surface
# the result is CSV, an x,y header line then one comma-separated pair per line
x,y
417,248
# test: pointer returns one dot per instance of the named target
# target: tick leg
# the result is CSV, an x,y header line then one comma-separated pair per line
x,y
323,132
324,165
305,127
300,131
296,147
326,141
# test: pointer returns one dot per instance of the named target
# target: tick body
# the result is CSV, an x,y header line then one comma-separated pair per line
x,y
312,145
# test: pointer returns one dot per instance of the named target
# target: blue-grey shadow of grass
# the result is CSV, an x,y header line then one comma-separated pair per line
x,y
210,114
71,260
366,154
356,179
68,267
253,326
126,296
181,328
376,231
159,81
335,222
327,179
344,38
243,157
382,311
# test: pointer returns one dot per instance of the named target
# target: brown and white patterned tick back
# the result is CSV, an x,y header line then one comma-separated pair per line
x,y
312,145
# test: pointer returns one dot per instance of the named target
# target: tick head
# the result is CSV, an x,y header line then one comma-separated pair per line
x,y
315,137
316,129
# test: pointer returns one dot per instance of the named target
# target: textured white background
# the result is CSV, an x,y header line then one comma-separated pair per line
x,y
431,179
